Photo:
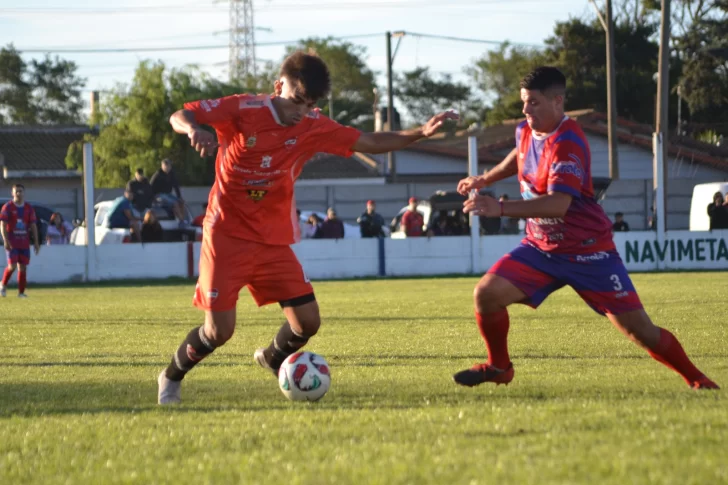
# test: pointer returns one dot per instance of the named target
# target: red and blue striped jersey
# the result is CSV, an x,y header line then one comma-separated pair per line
x,y
561,162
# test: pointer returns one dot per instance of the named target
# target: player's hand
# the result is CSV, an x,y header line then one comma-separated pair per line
x,y
482,205
202,141
37,249
475,182
431,127
7,245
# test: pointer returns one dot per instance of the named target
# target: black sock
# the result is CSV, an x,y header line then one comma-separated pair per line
x,y
285,343
194,348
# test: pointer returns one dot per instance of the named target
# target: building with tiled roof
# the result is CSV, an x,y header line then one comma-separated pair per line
x,y
327,166
445,154
36,155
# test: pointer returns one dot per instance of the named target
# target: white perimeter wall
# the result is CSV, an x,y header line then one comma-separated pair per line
x,y
331,259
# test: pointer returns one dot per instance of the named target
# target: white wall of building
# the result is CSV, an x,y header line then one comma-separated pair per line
x,y
641,251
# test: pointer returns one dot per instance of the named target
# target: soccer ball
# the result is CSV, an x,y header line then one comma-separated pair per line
x,y
304,376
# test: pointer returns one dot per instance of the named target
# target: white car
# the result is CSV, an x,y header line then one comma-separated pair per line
x,y
165,216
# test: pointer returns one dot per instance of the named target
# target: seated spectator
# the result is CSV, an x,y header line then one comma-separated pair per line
x,y
163,182
370,222
412,220
199,220
141,190
151,229
121,216
312,229
332,227
59,231
718,212
619,224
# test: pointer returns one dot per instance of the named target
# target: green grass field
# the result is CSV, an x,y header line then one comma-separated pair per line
x,y
78,391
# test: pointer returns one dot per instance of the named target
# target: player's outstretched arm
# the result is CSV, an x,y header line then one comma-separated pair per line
x,y
183,122
388,141
507,168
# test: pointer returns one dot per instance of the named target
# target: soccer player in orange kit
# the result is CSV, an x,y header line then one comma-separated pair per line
x,y
263,143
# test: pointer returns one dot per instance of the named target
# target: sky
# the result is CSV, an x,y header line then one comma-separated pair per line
x,y
48,25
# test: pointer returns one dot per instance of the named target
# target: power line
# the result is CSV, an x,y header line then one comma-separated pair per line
x,y
465,39
116,50
196,9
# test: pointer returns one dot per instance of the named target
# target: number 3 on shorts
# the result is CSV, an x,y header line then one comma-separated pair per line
x,y
616,282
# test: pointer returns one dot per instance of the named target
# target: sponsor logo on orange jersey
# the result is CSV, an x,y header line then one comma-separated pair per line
x,y
257,195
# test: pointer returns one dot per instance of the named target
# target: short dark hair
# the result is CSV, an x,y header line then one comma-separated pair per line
x,y
19,186
619,214
140,171
544,78
308,73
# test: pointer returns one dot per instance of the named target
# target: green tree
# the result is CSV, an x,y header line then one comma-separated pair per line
x,y
135,131
498,73
40,92
703,46
579,50
424,96
352,82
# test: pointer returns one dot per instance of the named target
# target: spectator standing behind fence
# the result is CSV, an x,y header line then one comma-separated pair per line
x,y
332,227
619,224
121,216
164,181
370,222
151,229
412,220
718,212
59,231
141,189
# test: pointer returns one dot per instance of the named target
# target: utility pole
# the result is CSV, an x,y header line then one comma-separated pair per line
x,y
612,97
663,90
608,25
391,161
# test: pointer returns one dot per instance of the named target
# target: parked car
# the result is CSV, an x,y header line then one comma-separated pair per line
x,y
172,232
702,197
452,202
42,213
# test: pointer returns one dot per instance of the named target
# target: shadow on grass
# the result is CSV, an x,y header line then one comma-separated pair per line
x,y
261,395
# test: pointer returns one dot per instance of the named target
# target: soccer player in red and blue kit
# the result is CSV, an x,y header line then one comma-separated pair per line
x,y
568,239
17,217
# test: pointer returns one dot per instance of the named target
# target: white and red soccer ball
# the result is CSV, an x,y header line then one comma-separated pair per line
x,y
304,376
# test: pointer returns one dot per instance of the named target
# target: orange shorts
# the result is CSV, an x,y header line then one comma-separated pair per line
x,y
272,273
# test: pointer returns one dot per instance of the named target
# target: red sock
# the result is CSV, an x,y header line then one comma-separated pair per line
x,y
668,351
494,330
21,281
6,275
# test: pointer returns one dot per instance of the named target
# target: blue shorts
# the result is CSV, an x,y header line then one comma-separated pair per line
x,y
599,278
170,199
21,256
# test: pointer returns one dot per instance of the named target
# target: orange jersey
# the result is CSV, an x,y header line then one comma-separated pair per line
x,y
258,161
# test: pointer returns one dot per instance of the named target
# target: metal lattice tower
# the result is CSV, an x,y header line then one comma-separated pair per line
x,y
242,39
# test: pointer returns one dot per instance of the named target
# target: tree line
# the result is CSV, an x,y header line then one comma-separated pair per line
x,y
134,130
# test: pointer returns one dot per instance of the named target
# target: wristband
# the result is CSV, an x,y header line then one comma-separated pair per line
x,y
501,206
